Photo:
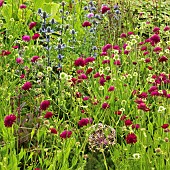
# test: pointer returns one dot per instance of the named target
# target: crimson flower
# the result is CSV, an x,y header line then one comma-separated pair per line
x,y
35,36
80,62
104,9
26,38
156,30
22,6
34,59
163,59
85,121
53,130
1,3
164,126
9,120
102,81
44,104
123,35
105,105
5,52
66,134
86,24
128,122
118,112
32,25
117,62
135,126
131,138
167,28
48,115
155,39
19,60
27,86
111,88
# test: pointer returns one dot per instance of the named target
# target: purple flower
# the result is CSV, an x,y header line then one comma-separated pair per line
x,y
9,120
66,134
26,38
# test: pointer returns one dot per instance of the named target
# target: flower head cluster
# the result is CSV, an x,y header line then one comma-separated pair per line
x,y
9,120
101,137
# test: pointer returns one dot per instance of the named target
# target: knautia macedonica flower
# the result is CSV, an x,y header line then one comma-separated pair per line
x,y
32,25
35,36
131,138
27,86
44,104
26,38
48,115
9,120
86,24
66,134
1,3
22,6
101,137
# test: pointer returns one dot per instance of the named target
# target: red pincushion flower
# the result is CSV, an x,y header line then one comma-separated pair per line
x,y
128,122
1,3
82,76
89,59
27,86
135,126
19,60
111,88
80,62
105,105
22,76
48,115
153,88
89,70
157,49
9,120
147,60
34,59
118,112
167,28
108,77
123,35
131,138
35,36
5,52
84,121
66,134
86,24
142,106
15,47
104,9
26,38
130,33
155,39
143,95
22,6
145,53
44,104
164,126
53,130
156,30
163,59
78,94
117,62
86,98
32,25
102,81
143,48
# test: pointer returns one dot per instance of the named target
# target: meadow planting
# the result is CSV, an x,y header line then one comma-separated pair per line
x,y
84,85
